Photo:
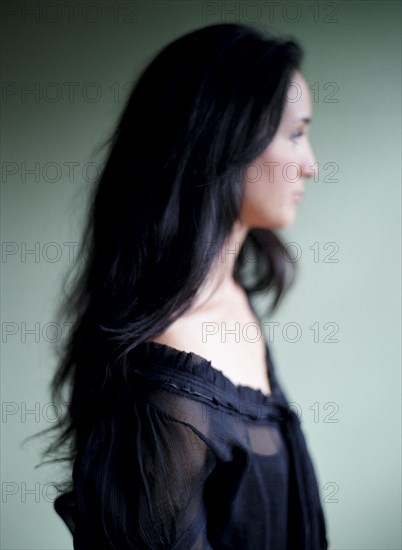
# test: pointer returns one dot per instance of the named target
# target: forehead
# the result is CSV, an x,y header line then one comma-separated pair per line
x,y
298,102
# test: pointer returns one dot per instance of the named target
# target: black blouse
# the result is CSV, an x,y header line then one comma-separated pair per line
x,y
217,465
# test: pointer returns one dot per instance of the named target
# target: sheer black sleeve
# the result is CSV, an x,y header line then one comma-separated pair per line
x,y
165,468
173,462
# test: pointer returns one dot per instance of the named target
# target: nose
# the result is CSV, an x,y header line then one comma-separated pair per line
x,y
310,165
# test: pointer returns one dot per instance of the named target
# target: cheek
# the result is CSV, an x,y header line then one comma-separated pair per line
x,y
267,192
278,165
266,202
270,177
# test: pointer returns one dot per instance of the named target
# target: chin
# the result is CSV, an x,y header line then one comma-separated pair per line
x,y
287,219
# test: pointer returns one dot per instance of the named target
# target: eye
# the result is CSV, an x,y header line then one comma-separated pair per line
x,y
296,134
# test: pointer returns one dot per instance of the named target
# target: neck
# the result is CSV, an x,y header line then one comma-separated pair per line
x,y
220,284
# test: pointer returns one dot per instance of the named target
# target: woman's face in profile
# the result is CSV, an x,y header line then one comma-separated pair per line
x,y
274,181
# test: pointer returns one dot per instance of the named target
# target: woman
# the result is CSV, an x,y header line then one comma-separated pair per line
x,y
178,431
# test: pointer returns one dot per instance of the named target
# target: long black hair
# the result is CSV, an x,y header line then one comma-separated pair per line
x,y
167,198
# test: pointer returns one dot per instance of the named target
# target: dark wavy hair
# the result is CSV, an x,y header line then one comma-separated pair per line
x,y
167,198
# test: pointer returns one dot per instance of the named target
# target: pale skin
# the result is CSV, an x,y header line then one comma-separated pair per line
x,y
271,183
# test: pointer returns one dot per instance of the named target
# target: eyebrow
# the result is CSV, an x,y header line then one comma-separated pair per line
x,y
306,120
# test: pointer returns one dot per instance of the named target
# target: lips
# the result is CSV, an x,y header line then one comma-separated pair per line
x,y
297,196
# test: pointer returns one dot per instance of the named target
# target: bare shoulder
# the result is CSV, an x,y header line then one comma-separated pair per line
x,y
202,329
229,336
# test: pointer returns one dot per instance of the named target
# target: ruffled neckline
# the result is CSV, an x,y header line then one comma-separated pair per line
x,y
194,374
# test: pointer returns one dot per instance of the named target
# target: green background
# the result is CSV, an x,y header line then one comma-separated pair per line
x,y
78,66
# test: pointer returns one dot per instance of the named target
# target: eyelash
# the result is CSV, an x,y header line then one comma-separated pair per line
x,y
296,135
